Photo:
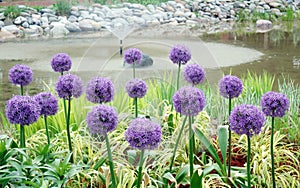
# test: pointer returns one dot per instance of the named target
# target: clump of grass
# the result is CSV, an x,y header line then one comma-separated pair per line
x,y
12,11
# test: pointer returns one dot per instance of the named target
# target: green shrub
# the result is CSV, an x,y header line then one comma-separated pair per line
x,y
12,11
62,7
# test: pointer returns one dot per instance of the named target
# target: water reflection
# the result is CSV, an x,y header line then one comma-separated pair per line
x,y
280,46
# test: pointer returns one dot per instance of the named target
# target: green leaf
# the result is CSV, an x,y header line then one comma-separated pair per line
x,y
99,163
182,173
223,141
210,148
131,156
196,180
169,177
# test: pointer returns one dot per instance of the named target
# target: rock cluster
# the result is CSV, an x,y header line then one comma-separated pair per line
x,y
125,16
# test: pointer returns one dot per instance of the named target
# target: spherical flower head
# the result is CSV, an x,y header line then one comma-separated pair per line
x,y
20,75
136,88
61,62
230,86
99,90
133,56
102,119
180,54
194,73
189,101
23,110
246,119
69,85
48,103
142,133
274,104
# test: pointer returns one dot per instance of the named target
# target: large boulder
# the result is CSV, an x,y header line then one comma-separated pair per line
x,y
58,30
263,26
89,25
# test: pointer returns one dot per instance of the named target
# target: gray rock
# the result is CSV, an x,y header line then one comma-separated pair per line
x,y
75,13
252,6
266,7
275,4
25,24
25,14
73,27
58,30
47,10
263,25
44,22
146,61
12,29
85,14
2,17
1,24
19,20
72,18
89,25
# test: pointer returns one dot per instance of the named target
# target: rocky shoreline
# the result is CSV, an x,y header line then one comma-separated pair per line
x,y
121,19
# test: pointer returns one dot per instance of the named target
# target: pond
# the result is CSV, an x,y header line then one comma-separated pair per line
x,y
276,52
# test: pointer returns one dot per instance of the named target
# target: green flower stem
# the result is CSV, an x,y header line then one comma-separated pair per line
x,y
135,101
248,162
22,136
140,169
47,131
176,144
68,130
111,164
272,152
229,140
64,103
22,128
191,148
133,68
178,76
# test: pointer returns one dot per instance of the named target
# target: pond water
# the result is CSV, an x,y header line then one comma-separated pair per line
x,y
276,52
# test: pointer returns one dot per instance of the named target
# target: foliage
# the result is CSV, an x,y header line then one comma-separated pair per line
x,y
12,11
62,7
245,16
40,166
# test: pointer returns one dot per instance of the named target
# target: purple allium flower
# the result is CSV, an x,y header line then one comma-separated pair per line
x,y
48,103
194,73
142,133
230,86
246,119
69,85
20,75
180,54
133,55
274,104
61,62
189,101
102,119
99,90
136,88
23,110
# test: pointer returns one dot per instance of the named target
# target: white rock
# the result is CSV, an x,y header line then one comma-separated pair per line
x,y
72,18
19,20
12,29
73,27
263,25
58,30
89,25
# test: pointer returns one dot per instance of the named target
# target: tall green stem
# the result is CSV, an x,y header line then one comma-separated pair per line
x,y
136,106
47,131
22,128
248,162
272,152
176,144
191,149
64,102
22,136
133,68
68,130
229,140
178,76
111,164
140,169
